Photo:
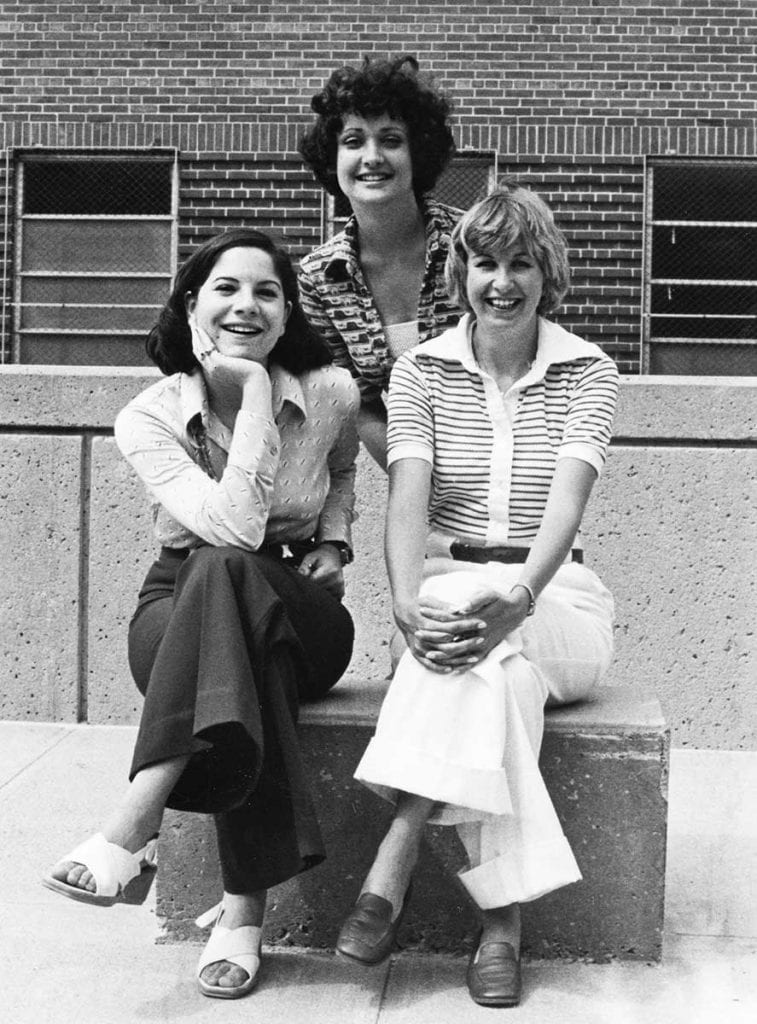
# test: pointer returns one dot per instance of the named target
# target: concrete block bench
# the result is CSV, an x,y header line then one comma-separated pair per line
x,y
605,763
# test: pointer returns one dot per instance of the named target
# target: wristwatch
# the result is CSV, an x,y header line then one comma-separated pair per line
x,y
345,551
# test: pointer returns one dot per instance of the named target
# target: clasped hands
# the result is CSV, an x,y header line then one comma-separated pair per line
x,y
447,638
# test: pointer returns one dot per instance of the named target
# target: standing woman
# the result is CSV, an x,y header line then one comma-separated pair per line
x,y
382,138
497,432
247,451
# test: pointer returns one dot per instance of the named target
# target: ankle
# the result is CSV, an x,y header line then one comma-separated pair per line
x,y
243,909
131,831
501,924
390,880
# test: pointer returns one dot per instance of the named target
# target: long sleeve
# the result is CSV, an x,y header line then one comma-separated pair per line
x,y
338,510
233,510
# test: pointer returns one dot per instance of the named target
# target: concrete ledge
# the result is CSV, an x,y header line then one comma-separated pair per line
x,y
605,764
76,541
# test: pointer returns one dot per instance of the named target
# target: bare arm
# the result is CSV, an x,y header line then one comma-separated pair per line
x,y
371,427
568,497
405,534
429,627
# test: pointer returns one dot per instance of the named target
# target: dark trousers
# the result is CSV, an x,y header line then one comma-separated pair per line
x,y
224,645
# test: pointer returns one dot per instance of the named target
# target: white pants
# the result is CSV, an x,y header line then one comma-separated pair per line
x,y
470,740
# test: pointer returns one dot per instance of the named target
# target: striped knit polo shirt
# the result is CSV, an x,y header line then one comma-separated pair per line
x,y
492,455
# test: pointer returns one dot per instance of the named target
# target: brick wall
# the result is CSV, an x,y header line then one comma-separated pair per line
x,y
273,192
571,96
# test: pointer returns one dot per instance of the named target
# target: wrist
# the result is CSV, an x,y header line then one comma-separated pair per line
x,y
343,548
402,607
527,596
256,382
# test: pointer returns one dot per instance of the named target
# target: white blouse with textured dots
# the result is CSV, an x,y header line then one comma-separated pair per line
x,y
277,480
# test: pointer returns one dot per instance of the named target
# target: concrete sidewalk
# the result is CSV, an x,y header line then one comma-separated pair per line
x,y
64,963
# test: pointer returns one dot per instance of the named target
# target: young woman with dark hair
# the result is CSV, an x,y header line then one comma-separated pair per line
x,y
169,343
381,138
247,452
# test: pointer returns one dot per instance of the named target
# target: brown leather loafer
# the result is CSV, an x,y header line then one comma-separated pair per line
x,y
494,975
368,934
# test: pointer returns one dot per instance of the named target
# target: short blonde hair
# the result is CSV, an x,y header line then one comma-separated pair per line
x,y
509,213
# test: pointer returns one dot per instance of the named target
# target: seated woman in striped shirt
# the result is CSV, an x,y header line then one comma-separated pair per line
x,y
497,431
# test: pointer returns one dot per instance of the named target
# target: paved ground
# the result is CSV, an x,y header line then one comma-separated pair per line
x,y
62,963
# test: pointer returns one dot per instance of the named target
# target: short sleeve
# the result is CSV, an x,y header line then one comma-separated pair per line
x,y
588,425
410,430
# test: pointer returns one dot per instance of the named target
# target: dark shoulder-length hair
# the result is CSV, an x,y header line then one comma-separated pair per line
x,y
169,343
394,87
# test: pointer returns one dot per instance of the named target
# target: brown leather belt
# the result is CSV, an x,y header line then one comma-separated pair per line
x,y
510,556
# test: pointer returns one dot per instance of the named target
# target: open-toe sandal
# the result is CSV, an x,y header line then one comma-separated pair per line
x,y
238,946
120,876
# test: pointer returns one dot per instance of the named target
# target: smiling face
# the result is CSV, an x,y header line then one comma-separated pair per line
x,y
373,162
504,289
241,304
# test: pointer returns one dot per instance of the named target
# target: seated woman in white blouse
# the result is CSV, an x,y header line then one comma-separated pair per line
x,y
247,450
497,432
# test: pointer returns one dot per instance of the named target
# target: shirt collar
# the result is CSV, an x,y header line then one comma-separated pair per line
x,y
345,259
438,228
285,387
553,345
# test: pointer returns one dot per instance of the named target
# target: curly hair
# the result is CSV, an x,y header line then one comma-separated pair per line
x,y
169,343
392,87
508,213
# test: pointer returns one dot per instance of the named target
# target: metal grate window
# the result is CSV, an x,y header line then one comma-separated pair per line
x,y
94,256
468,177
700,259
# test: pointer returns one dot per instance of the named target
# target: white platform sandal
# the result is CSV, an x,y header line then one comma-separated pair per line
x,y
120,876
238,946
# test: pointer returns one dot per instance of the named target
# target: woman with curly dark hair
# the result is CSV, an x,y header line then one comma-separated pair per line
x,y
247,451
381,139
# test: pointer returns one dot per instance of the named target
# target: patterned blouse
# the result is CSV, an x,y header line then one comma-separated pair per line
x,y
276,480
494,455
338,302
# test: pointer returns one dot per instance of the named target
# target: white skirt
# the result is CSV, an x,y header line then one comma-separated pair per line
x,y
471,740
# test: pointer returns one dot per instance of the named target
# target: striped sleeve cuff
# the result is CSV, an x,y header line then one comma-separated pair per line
x,y
409,450
585,452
